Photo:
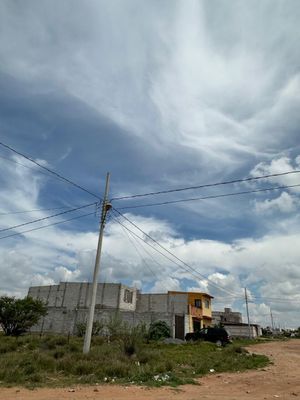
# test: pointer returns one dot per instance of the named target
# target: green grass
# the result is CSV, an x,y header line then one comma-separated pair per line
x,y
53,361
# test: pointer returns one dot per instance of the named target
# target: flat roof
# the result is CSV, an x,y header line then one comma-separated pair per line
x,y
202,293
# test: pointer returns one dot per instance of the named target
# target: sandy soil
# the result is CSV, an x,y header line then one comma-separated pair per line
x,y
280,380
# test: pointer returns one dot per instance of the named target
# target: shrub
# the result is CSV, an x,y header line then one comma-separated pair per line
x,y
131,338
97,328
159,330
115,326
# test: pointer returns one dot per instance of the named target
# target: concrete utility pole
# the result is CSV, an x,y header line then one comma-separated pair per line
x,y
246,299
272,321
106,206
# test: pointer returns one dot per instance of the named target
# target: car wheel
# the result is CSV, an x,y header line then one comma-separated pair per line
x,y
219,343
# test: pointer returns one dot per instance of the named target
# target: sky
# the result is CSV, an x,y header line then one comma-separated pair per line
x,y
162,94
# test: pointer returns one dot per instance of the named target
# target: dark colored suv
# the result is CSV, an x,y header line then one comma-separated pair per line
x,y
215,335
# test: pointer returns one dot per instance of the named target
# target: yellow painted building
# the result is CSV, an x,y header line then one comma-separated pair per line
x,y
199,309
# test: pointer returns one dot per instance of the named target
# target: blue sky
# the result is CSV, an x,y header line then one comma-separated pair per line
x,y
162,94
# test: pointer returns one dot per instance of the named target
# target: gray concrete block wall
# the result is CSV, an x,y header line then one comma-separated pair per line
x,y
68,305
241,331
52,295
152,303
159,302
70,293
111,295
142,302
83,295
178,303
64,321
226,316
77,295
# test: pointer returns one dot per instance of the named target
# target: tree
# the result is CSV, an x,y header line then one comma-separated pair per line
x,y
18,315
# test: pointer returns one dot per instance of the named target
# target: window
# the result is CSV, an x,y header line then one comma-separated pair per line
x,y
198,303
207,303
128,296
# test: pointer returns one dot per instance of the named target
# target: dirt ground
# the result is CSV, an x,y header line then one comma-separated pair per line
x,y
280,380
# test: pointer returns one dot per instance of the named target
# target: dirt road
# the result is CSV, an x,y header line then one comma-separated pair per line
x,y
280,380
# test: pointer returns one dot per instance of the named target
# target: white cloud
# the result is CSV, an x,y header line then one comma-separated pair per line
x,y
190,82
284,203
168,283
278,166
269,264
196,80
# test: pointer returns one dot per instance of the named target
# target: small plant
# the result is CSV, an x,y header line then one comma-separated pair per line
x,y
159,330
96,331
131,337
115,326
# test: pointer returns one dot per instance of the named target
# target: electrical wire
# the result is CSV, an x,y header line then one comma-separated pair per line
x,y
209,197
31,168
49,170
31,211
187,268
261,298
252,300
207,185
46,226
47,217
193,271
138,252
148,253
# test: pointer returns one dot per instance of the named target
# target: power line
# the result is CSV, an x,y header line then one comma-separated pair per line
x,y
31,211
49,170
208,197
46,226
232,296
148,253
27,166
253,299
158,251
138,252
148,244
154,248
190,269
48,217
274,300
206,185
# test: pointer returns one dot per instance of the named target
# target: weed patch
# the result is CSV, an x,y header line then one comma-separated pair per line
x,y
57,361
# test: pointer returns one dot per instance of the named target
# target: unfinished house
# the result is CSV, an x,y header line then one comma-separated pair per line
x,y
226,316
68,305
233,323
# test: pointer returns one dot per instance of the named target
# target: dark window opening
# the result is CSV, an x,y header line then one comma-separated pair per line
x,y
128,295
198,303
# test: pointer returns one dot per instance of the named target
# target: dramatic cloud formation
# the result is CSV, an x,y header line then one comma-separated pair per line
x,y
163,94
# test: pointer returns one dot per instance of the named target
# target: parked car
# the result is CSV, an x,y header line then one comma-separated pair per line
x,y
215,335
